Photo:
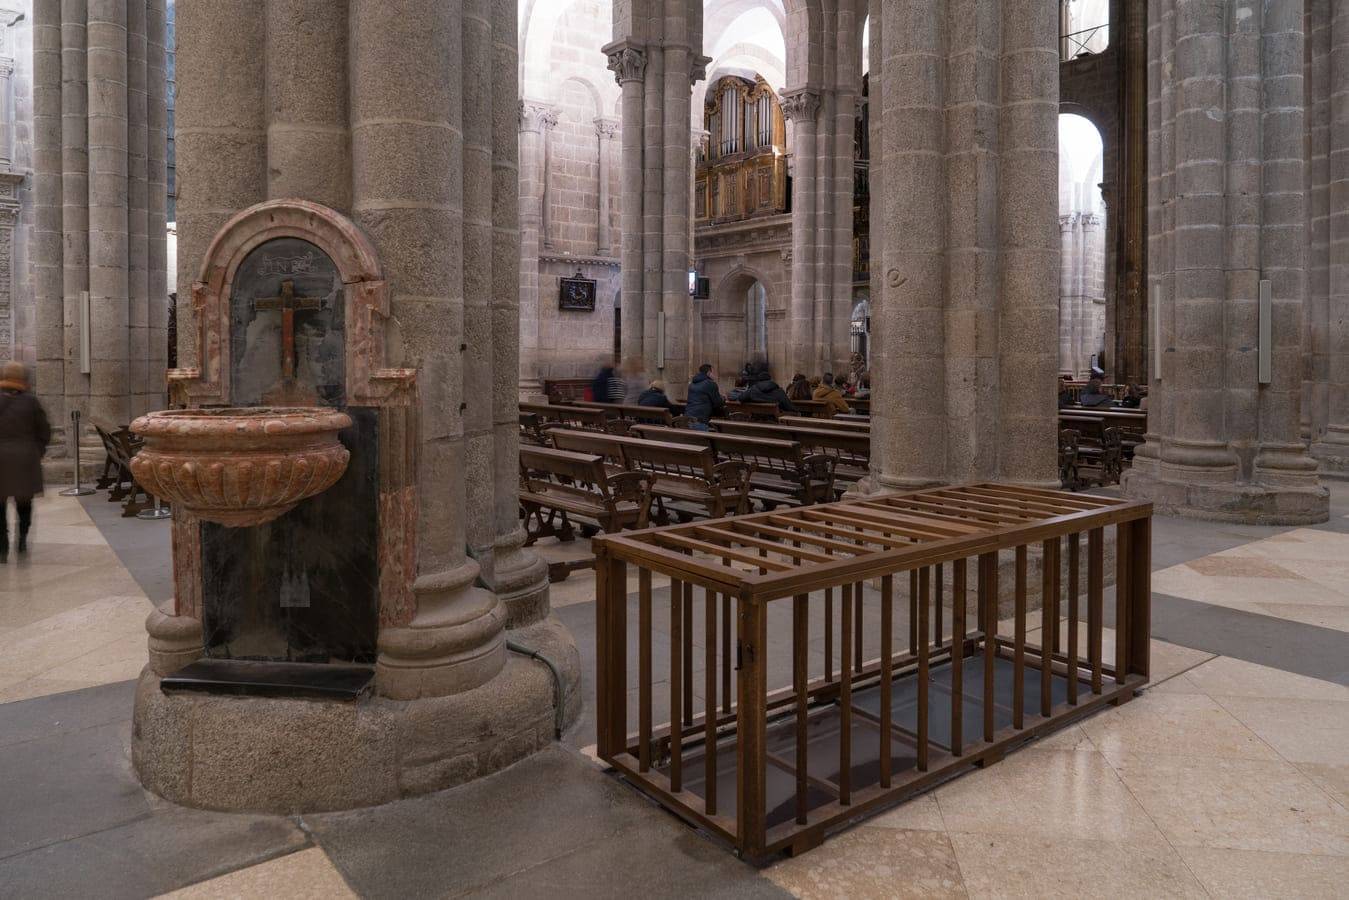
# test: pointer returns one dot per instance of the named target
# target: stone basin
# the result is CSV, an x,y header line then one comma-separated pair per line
x,y
240,467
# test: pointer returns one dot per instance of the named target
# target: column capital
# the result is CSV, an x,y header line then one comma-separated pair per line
x,y
607,127
626,60
698,69
536,115
1066,222
800,103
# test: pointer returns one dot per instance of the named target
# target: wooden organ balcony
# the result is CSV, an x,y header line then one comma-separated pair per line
x,y
742,173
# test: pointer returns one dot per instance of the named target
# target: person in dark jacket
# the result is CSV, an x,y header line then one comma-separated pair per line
x,y
1065,391
763,389
607,386
655,396
1093,396
1133,397
24,436
705,400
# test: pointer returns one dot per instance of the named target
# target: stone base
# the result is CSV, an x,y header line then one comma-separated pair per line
x,y
1247,504
290,756
1333,460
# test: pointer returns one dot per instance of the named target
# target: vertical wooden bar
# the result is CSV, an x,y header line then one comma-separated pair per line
x,y
924,589
937,608
801,685
644,669
1074,561
1140,598
710,702
676,685
688,653
829,634
857,651
726,653
913,612
611,634
988,605
751,725
1095,598
1123,591
1019,631
887,673
1049,592
845,703
957,656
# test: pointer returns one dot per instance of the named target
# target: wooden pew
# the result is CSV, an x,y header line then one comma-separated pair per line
x,y
566,388
860,405
567,486
656,415
121,445
565,414
531,430
759,412
838,422
850,447
688,480
784,474
816,409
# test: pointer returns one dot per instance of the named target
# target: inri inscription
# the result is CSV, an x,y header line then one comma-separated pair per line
x,y
287,330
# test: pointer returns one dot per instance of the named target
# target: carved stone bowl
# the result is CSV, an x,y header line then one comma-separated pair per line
x,y
240,467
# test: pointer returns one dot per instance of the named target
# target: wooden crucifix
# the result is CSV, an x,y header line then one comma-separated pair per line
x,y
288,305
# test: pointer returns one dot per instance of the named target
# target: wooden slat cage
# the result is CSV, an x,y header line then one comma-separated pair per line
x,y
777,743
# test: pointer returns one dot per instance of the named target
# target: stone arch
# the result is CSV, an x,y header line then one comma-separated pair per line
x,y
588,86
743,274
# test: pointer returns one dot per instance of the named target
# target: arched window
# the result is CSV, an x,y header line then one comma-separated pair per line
x,y
1084,26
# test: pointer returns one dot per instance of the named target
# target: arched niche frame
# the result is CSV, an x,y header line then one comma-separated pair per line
x,y
370,381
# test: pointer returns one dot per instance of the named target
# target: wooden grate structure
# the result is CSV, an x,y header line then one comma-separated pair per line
x,y
820,664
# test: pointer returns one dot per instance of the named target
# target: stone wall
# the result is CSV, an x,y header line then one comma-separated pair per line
x,y
15,270
732,258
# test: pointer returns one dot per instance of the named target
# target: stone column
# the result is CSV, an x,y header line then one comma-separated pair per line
x,y
142,383
413,143
157,196
308,135
1088,338
1227,146
531,117
109,242
48,266
800,107
546,125
966,322
1331,34
606,129
1067,344
628,63
74,83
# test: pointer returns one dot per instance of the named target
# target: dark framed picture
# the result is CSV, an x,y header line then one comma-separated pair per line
x,y
577,292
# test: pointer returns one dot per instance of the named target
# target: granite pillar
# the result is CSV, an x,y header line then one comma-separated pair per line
x,y
47,259
1228,211
967,316
532,115
606,129
801,107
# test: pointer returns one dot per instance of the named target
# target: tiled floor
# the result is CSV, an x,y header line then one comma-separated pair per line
x,y
1229,777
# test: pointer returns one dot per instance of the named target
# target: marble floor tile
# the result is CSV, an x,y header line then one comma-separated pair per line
x,y
1310,731
1022,866
1237,804
1074,794
1227,590
306,875
871,862
1333,779
1268,876
922,813
1177,724
30,688
1238,678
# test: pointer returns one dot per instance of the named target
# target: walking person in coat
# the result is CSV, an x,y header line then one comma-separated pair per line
x,y
24,436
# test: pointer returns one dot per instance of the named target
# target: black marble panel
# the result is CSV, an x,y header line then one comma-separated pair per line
x,y
305,587
257,348
271,679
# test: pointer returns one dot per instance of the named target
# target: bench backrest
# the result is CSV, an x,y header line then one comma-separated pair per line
x,y
579,415
586,468
659,457
837,422
754,410
813,408
836,441
694,436
656,414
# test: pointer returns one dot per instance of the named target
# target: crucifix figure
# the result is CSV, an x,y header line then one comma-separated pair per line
x,y
288,304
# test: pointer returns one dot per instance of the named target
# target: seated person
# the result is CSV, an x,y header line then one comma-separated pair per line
x,y
737,393
1093,396
655,396
799,389
1133,397
705,399
1065,391
763,389
828,393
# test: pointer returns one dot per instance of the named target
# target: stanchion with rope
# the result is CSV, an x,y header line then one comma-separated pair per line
x,y
78,490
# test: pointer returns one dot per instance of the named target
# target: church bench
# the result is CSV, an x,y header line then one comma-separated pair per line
x,y
837,422
767,412
558,487
784,474
860,405
851,448
121,445
656,415
688,478
1100,452
531,429
566,388
578,416
863,418
816,409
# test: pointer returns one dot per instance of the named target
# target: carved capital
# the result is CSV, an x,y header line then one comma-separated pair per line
x,y
627,61
606,127
1066,222
698,70
800,104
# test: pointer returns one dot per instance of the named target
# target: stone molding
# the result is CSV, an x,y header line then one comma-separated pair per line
x,y
607,127
800,104
698,70
370,382
535,115
626,60
573,261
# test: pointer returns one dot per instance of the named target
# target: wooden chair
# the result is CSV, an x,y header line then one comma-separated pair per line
x,y
558,487
1068,444
121,445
